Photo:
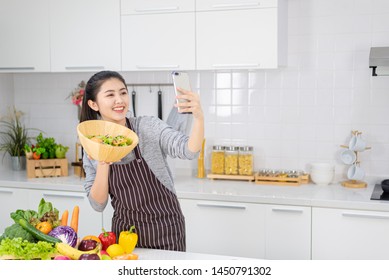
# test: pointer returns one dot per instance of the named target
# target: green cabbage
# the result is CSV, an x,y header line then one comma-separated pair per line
x,y
15,231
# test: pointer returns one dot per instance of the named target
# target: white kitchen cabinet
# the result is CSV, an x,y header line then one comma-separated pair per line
x,y
107,216
158,41
224,228
213,5
25,36
129,7
11,199
288,232
233,35
90,221
85,35
349,234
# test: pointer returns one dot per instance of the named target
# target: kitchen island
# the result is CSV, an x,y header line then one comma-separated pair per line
x,y
276,222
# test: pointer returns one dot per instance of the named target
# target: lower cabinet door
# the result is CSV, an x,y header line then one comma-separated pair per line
x,y
90,221
341,234
107,216
288,232
224,228
11,199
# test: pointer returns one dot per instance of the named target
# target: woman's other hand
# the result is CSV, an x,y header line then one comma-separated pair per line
x,y
100,162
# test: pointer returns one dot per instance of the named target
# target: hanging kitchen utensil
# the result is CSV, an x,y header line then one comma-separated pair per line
x,y
133,93
160,104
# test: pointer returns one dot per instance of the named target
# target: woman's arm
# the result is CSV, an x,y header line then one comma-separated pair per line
x,y
99,189
94,186
193,105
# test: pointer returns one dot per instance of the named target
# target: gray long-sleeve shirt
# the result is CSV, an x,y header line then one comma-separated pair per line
x,y
157,140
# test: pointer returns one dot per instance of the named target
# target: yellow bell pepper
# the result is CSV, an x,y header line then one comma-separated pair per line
x,y
128,240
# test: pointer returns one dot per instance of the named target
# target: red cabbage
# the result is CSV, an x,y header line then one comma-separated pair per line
x,y
66,234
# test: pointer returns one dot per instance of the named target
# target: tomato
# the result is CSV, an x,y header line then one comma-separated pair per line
x,y
44,227
36,156
115,250
93,237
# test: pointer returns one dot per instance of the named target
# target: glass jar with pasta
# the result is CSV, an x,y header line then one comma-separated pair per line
x,y
246,160
217,160
231,160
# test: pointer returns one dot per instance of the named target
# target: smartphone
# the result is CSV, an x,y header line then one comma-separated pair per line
x,y
181,80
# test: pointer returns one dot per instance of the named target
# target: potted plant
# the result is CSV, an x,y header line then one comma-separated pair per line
x,y
14,137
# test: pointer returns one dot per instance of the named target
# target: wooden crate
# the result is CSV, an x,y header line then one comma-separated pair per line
x,y
56,167
282,181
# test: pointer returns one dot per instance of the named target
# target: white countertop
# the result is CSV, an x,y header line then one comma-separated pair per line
x,y
153,254
333,195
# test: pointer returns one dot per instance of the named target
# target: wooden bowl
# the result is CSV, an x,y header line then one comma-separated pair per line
x,y
104,152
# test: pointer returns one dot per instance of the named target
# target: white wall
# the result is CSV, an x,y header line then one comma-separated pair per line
x,y
6,93
292,116
6,103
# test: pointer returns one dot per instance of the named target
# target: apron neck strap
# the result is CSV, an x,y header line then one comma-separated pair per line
x,y
137,151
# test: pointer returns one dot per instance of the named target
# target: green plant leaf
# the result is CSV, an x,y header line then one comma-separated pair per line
x,y
14,136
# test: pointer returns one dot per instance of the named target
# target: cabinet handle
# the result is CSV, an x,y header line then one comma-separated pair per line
x,y
221,206
17,68
63,195
6,192
173,8
287,210
157,66
84,67
359,215
237,5
241,65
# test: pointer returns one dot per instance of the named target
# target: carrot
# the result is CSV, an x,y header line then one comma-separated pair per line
x,y
74,220
64,219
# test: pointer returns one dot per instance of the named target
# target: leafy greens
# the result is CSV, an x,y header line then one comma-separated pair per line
x,y
17,248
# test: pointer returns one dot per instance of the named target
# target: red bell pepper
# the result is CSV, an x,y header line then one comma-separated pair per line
x,y
107,238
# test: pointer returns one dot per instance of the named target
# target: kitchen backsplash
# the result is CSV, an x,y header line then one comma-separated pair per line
x,y
292,116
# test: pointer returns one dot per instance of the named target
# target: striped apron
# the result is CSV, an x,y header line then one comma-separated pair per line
x,y
140,199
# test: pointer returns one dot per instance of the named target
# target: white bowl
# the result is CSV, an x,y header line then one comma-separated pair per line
x,y
322,177
322,166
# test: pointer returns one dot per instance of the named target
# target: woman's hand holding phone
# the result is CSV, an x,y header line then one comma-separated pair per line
x,y
189,103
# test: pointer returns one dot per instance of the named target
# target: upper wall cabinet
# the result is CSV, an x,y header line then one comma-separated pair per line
x,y
247,35
137,35
24,33
158,35
85,35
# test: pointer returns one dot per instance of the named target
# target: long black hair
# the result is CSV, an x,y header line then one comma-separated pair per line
x,y
92,88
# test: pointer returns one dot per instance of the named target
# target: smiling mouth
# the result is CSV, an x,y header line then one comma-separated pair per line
x,y
118,109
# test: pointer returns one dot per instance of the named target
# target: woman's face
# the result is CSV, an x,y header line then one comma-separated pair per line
x,y
112,101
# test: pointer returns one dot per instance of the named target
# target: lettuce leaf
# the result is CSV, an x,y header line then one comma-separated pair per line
x,y
44,207
46,212
18,248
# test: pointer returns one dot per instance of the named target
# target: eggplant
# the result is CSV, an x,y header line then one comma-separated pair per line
x,y
89,257
87,245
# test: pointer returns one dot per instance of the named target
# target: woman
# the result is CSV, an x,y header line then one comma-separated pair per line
x,y
141,186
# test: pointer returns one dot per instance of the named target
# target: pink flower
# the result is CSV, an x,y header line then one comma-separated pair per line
x,y
78,94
